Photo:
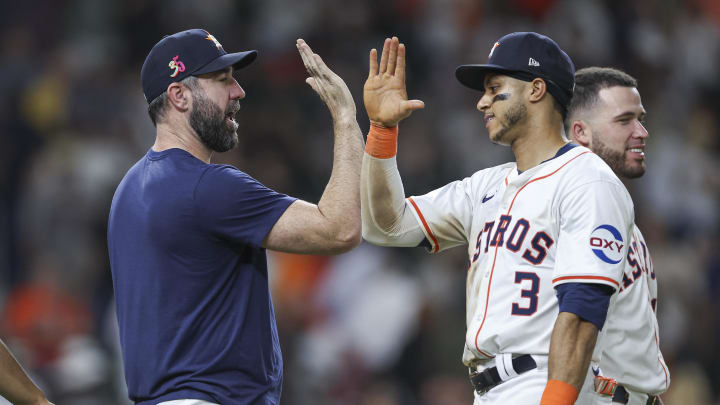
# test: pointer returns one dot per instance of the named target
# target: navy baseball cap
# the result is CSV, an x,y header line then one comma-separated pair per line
x,y
186,53
525,56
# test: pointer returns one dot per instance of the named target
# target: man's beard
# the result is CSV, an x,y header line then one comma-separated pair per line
x,y
208,121
514,115
616,160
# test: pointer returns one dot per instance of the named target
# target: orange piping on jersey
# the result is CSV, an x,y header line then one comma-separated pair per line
x,y
647,262
492,269
660,362
648,266
666,374
540,178
661,365
586,278
436,246
657,342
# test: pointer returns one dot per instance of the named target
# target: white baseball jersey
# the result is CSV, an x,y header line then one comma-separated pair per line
x,y
631,353
567,220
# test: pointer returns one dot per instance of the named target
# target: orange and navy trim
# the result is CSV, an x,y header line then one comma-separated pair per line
x,y
433,239
599,278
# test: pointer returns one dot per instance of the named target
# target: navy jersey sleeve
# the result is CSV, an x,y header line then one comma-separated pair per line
x,y
588,301
234,206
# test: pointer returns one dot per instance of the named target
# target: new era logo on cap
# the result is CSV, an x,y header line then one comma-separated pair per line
x,y
518,55
186,53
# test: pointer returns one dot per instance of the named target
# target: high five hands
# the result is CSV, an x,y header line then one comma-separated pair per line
x,y
384,92
328,85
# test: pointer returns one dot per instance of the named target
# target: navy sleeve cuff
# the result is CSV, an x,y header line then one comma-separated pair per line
x,y
588,301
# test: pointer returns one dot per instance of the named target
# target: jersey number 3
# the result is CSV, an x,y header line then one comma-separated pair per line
x,y
531,293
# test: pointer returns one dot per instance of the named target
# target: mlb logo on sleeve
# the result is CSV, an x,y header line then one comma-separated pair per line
x,y
607,244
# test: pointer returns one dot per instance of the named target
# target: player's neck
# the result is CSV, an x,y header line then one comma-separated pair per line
x,y
171,135
538,144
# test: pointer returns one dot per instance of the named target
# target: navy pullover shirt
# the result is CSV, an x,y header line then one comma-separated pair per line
x,y
191,283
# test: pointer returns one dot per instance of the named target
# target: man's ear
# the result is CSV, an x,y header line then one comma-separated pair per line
x,y
537,90
581,133
179,96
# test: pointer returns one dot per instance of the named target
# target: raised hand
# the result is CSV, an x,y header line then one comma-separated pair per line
x,y
384,92
330,87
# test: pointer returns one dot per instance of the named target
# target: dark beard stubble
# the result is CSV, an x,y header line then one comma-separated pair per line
x,y
514,115
616,160
208,121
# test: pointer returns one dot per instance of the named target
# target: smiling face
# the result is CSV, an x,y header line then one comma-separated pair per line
x,y
212,116
617,131
503,107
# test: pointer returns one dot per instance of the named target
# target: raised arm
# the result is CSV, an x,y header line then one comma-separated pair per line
x,y
15,385
333,225
386,218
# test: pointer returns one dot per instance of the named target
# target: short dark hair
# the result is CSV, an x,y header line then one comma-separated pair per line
x,y
588,83
157,107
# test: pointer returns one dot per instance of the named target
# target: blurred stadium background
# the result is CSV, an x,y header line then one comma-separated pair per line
x,y
374,326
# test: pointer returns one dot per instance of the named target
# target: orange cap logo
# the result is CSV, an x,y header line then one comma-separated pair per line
x,y
210,37
493,49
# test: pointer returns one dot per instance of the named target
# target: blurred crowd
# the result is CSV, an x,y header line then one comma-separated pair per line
x,y
374,326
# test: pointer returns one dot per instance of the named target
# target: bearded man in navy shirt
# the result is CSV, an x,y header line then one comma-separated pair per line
x,y
187,238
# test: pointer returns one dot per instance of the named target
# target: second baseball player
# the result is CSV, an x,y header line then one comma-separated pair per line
x,y
555,222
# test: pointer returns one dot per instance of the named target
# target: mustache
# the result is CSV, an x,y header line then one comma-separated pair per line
x,y
233,108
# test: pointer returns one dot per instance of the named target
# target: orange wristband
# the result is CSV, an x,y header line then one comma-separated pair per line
x,y
382,142
559,393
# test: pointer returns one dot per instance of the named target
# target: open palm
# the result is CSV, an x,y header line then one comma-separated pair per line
x,y
384,92
328,85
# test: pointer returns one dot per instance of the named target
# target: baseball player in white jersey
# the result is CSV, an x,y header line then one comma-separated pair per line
x,y
547,236
606,115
